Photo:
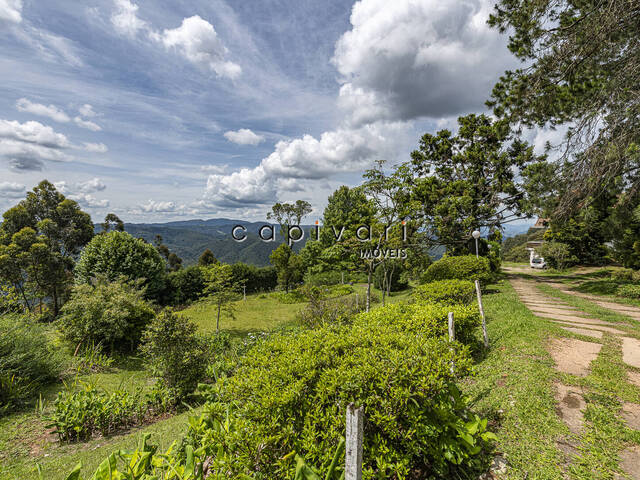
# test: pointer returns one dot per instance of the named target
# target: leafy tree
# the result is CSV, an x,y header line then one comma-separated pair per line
x,y
39,239
112,222
582,61
174,262
477,178
176,352
112,314
289,214
221,290
255,279
184,285
117,254
557,255
207,258
288,265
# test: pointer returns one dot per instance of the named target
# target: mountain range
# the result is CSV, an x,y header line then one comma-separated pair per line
x,y
189,238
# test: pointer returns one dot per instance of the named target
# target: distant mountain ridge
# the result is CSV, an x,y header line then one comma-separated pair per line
x,y
189,238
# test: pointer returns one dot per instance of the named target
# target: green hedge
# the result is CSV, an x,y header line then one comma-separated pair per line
x,y
448,292
464,267
291,392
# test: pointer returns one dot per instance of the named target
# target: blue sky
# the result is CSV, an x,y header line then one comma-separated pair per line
x,y
197,109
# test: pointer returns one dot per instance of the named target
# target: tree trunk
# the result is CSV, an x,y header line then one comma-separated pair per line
x,y
55,302
218,318
369,289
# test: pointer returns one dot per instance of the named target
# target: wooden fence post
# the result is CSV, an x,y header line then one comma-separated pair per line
x,y
353,451
484,322
356,300
452,338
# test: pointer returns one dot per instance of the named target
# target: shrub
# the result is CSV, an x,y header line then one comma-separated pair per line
x,y
622,275
465,267
293,296
256,279
183,286
27,360
112,314
398,281
450,292
629,291
116,254
176,353
320,311
79,414
558,255
291,392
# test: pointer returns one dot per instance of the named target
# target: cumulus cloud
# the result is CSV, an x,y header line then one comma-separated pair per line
x,y
88,124
50,111
81,192
91,186
12,190
11,10
307,158
27,145
125,18
32,132
96,147
246,186
160,207
408,59
86,110
198,42
90,201
244,136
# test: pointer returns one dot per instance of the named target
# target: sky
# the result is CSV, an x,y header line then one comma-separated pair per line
x,y
161,111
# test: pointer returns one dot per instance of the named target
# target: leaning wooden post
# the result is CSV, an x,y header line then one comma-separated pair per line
x,y
452,338
484,322
353,460
356,301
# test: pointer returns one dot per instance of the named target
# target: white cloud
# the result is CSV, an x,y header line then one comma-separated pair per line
x,y
86,110
307,158
90,201
88,124
125,19
96,147
160,207
12,190
246,186
50,111
244,136
91,186
81,192
11,10
32,132
408,59
198,42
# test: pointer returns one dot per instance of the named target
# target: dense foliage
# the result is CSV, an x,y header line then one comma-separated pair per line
x,y
176,353
290,393
465,267
449,292
27,360
183,286
111,314
117,254
255,279
77,415
580,62
39,238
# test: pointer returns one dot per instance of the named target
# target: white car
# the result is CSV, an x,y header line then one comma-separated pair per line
x,y
538,262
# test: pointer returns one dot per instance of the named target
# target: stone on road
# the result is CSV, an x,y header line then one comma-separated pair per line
x,y
631,351
570,406
573,356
